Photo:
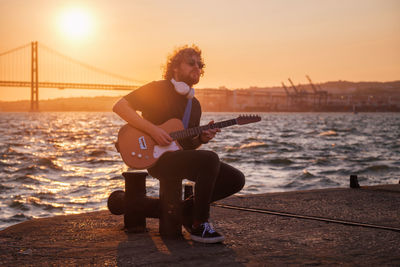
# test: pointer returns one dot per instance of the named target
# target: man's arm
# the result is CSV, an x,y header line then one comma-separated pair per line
x,y
128,114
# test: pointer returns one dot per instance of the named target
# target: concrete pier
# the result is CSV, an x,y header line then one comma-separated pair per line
x,y
252,238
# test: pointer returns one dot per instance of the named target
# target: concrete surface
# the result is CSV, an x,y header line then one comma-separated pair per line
x,y
252,239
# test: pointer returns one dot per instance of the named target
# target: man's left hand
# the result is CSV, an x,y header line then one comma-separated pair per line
x,y
209,134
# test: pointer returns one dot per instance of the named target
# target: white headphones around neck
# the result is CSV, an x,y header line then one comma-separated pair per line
x,y
183,89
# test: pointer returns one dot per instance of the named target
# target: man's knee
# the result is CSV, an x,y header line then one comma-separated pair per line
x,y
240,181
210,158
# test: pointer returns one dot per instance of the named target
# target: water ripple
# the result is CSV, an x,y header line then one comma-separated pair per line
x,y
63,163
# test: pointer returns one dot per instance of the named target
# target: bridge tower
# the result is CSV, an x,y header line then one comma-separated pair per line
x,y
34,77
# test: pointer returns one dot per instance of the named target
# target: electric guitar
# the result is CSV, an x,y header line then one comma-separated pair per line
x,y
139,151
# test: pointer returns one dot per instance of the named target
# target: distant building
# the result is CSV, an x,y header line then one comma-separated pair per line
x,y
264,100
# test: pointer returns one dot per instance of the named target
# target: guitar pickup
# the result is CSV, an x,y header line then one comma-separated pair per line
x,y
142,143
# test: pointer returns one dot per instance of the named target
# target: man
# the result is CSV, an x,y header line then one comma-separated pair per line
x,y
162,100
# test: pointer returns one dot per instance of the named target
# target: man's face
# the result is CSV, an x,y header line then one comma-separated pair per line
x,y
189,70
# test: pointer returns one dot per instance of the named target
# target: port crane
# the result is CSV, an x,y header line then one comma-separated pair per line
x,y
290,95
299,94
322,95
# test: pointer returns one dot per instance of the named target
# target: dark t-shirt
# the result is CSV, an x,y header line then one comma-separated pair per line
x,y
158,101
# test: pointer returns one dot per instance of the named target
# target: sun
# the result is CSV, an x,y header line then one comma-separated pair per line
x,y
76,23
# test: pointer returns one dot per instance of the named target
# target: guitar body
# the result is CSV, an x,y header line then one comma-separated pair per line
x,y
139,151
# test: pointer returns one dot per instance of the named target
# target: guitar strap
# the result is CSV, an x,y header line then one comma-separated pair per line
x,y
186,115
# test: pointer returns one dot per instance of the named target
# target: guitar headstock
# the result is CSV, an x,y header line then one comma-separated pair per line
x,y
245,119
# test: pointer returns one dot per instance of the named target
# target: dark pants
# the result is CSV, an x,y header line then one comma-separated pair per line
x,y
213,179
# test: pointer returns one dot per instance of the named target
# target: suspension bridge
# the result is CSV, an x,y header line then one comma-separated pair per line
x,y
22,67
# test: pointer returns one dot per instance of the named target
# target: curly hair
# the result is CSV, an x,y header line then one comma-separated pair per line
x,y
176,58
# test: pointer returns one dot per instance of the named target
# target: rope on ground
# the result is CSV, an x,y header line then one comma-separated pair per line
x,y
315,218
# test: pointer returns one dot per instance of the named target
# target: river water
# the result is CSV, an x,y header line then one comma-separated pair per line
x,y
65,162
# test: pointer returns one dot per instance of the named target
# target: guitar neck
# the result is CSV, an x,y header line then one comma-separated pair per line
x,y
191,132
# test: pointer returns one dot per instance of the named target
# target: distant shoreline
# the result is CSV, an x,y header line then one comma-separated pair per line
x,y
339,96
105,104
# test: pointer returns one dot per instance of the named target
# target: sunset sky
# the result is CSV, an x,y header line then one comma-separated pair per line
x,y
245,42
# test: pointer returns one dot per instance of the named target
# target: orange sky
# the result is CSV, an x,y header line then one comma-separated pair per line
x,y
245,43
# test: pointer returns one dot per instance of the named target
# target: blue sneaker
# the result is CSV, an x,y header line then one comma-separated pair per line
x,y
205,233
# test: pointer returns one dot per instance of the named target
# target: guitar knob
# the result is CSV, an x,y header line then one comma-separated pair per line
x,y
139,156
133,153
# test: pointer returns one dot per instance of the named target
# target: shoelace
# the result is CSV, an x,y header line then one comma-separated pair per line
x,y
207,228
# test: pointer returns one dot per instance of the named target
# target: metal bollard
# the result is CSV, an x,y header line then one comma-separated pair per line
x,y
136,206
354,181
135,194
171,207
115,202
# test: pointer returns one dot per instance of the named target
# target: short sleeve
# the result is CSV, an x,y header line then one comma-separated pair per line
x,y
139,99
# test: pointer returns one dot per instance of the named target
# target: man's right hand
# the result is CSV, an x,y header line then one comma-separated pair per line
x,y
160,136
125,111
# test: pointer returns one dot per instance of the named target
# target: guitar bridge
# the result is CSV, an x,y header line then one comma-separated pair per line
x,y
142,143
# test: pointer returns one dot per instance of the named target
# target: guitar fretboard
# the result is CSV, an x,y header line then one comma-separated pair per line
x,y
191,132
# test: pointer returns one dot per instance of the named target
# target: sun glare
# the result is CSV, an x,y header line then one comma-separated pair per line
x,y
75,23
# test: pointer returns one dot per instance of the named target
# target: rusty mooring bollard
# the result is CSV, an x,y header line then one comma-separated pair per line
x,y
135,194
354,181
115,202
171,207
136,206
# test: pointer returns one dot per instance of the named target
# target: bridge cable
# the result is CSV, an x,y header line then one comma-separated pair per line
x,y
88,66
14,49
